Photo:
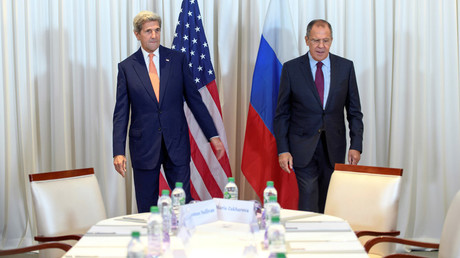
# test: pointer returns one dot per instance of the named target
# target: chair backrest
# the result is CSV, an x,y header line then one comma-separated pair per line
x,y
367,197
66,202
449,245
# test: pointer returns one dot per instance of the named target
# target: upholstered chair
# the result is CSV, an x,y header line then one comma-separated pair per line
x,y
449,245
368,198
66,203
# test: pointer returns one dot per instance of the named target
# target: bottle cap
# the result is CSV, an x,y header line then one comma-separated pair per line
x,y
135,234
272,198
270,183
165,192
231,179
154,209
275,219
179,184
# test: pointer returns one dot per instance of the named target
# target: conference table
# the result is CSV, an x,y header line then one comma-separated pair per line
x,y
307,235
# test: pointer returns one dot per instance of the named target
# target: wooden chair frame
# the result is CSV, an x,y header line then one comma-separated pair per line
x,y
60,174
369,169
62,246
384,239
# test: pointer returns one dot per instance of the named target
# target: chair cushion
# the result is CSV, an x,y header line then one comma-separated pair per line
x,y
367,201
449,245
67,206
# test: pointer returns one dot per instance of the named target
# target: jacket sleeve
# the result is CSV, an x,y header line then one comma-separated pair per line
x,y
196,104
282,113
354,114
120,114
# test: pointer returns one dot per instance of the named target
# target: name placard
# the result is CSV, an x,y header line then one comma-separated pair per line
x,y
198,213
209,211
235,210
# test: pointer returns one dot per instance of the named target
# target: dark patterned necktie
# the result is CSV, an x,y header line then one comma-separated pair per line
x,y
319,81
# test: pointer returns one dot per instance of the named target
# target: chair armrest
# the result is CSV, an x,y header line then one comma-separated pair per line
x,y
369,244
31,248
57,238
403,256
376,233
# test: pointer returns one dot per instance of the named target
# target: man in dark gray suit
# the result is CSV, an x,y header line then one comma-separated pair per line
x,y
309,123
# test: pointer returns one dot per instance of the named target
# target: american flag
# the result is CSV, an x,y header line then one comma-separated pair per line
x,y
208,175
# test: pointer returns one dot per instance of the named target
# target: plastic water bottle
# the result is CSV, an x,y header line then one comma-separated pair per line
x,y
231,190
276,237
271,209
135,247
269,191
154,232
165,205
178,199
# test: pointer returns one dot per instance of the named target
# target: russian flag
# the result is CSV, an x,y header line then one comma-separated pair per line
x,y
278,44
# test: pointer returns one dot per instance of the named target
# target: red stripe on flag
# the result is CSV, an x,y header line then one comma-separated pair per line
x,y
193,192
212,88
260,163
202,167
224,161
163,183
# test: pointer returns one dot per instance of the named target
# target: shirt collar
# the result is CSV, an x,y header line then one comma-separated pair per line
x,y
146,54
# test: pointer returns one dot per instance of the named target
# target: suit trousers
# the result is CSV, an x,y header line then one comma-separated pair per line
x,y
147,181
313,180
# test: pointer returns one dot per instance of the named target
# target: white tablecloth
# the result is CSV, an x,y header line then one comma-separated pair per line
x,y
315,235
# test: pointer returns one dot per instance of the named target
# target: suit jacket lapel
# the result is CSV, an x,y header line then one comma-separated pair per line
x,y
143,73
164,71
308,74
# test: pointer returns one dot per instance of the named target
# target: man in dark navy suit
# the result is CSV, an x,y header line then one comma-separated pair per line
x,y
309,123
152,85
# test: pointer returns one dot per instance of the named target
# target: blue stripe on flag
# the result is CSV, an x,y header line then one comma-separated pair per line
x,y
265,83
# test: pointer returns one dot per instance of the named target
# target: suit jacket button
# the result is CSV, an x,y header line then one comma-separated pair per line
x,y
159,129
319,130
